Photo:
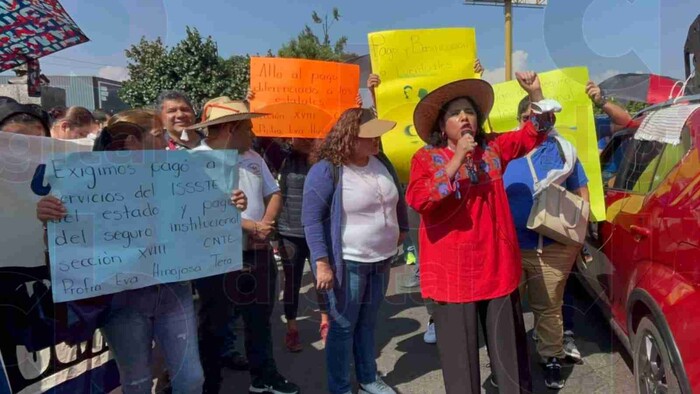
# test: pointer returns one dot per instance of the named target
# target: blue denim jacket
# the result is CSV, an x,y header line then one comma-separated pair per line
x,y
322,213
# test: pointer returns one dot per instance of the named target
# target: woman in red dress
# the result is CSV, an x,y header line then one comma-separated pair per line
x,y
469,254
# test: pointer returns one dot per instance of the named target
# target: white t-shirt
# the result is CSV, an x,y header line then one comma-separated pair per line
x,y
370,227
255,179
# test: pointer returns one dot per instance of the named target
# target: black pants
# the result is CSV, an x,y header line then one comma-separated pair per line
x,y
252,292
458,344
294,252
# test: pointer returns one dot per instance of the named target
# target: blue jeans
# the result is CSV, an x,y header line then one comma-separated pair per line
x,y
353,308
164,313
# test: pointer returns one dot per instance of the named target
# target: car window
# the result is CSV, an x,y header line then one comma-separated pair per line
x,y
638,166
671,155
611,157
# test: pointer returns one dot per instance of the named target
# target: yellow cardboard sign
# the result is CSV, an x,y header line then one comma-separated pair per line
x,y
575,122
410,64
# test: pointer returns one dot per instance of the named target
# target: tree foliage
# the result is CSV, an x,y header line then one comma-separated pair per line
x,y
149,72
238,76
193,66
631,106
308,45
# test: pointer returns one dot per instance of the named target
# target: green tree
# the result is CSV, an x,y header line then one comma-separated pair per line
x,y
308,45
197,67
238,76
631,106
193,66
149,73
635,106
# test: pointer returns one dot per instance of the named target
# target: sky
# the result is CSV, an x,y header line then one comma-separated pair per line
x,y
607,36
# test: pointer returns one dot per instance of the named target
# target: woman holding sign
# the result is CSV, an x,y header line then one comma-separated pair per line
x,y
164,313
354,218
470,260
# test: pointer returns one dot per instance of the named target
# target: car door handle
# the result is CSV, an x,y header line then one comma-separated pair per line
x,y
640,231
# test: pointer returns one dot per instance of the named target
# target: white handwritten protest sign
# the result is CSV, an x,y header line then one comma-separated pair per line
x,y
141,218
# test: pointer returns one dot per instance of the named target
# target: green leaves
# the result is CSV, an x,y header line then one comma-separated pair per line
x,y
307,45
193,66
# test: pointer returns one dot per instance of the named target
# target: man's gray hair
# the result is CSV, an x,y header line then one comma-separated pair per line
x,y
174,95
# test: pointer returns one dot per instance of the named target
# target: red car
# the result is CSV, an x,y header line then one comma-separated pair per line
x,y
646,256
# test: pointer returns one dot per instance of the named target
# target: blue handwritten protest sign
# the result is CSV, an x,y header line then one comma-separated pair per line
x,y
140,218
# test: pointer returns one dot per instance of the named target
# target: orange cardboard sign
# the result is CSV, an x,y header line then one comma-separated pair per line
x,y
303,97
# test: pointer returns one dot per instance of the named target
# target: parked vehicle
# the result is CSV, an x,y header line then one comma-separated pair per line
x,y
646,256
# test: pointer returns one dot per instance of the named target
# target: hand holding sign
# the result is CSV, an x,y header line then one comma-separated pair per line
x,y
50,208
575,121
411,63
173,219
303,97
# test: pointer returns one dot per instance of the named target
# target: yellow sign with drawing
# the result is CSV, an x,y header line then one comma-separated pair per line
x,y
410,64
575,122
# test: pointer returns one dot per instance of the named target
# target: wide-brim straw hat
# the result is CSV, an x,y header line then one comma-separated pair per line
x,y
426,113
223,110
371,127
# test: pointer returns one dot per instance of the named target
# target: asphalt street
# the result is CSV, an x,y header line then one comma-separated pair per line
x,y
412,366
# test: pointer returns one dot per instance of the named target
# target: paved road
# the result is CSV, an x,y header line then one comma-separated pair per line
x,y
411,366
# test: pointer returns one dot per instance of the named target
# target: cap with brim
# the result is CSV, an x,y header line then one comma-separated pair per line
x,y
223,110
11,108
371,127
426,113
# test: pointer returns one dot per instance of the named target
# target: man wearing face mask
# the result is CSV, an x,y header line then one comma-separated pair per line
x,y
546,263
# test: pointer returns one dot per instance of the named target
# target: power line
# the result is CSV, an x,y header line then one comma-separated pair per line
x,y
78,60
70,65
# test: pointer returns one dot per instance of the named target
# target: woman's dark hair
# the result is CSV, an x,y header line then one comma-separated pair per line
x,y
14,112
439,140
340,141
24,119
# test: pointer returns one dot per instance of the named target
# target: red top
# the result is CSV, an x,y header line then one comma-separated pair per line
x,y
468,245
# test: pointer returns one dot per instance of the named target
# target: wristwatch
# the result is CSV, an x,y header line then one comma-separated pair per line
x,y
603,101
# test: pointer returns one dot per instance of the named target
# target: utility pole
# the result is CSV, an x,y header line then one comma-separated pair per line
x,y
508,8
508,26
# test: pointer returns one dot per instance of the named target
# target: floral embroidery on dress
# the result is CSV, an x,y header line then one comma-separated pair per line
x,y
497,162
438,159
443,189
485,166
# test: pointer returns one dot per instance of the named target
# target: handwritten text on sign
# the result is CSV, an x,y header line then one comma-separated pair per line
x,y
303,97
575,122
141,218
412,63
